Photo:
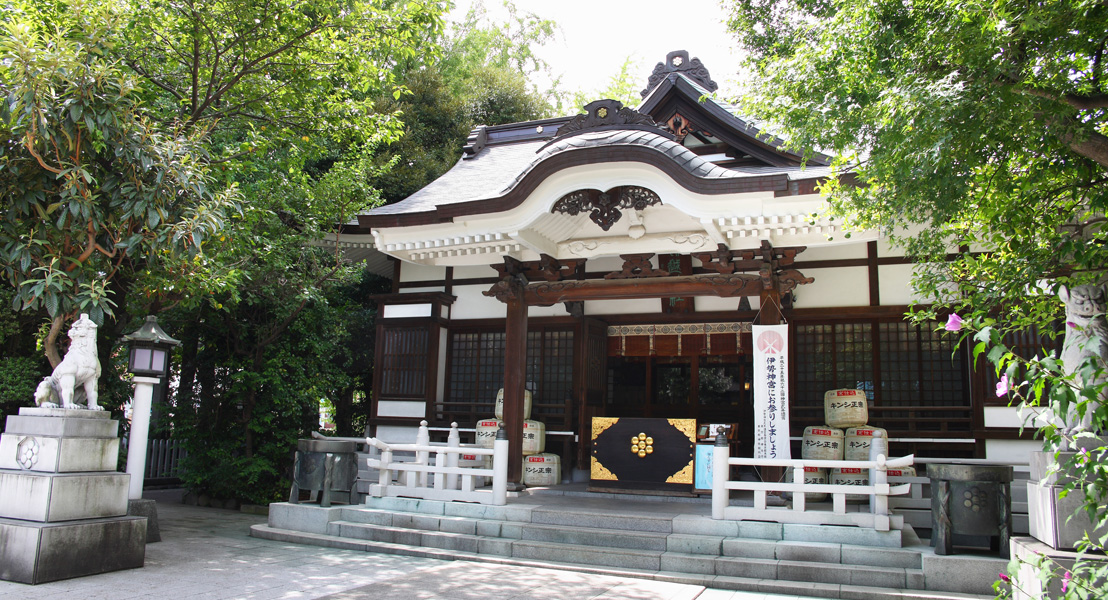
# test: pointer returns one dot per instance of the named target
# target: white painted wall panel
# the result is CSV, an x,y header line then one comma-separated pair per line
x,y
397,408
400,311
472,305
895,284
715,303
1008,416
474,272
623,307
844,286
1016,452
836,252
396,434
417,272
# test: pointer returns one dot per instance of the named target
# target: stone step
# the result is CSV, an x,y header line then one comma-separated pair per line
x,y
595,536
659,523
670,566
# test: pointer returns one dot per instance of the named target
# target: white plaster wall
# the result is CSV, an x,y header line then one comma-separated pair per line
x,y
1017,452
416,272
833,252
438,288
396,434
895,284
623,307
605,264
472,305
843,286
401,311
474,272
397,408
1009,416
715,303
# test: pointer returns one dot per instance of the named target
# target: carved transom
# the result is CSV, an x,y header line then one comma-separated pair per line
x,y
604,207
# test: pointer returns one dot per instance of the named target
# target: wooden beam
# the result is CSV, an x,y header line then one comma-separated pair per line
x,y
725,286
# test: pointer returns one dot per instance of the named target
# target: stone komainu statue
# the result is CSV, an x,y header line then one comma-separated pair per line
x,y
1086,336
74,379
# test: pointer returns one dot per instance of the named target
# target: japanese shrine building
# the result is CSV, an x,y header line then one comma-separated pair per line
x,y
614,262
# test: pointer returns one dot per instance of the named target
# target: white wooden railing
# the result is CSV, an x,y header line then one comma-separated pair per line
x,y
440,478
879,490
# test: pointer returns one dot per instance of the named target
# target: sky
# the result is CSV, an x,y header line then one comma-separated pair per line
x,y
597,36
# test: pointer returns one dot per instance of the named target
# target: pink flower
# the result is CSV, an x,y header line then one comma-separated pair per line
x,y
1066,581
954,322
1005,578
1002,386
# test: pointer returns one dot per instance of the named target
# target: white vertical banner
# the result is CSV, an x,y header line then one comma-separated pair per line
x,y
771,391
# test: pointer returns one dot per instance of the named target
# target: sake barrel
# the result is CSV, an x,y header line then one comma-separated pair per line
x,y
814,475
857,442
850,476
822,443
534,437
474,461
902,472
486,432
499,410
845,408
542,470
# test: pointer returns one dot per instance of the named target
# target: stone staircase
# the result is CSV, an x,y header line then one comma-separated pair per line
x,y
669,541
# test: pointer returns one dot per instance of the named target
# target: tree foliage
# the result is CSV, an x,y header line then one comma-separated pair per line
x,y
983,123
94,190
976,135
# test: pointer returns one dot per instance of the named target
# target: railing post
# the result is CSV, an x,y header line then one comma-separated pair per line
x,y
384,475
453,441
440,477
799,499
500,468
423,438
878,451
721,473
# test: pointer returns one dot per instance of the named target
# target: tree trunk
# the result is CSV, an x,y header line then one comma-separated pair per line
x,y
51,342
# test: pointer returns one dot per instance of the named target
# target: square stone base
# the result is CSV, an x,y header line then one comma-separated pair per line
x,y
1056,521
41,552
1026,584
52,497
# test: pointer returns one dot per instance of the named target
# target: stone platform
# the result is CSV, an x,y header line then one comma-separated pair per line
x,y
63,507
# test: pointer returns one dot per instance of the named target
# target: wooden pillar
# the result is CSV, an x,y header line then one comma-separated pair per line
x,y
515,379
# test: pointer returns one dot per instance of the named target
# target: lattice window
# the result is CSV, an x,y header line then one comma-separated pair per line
x,y
915,377
403,362
475,373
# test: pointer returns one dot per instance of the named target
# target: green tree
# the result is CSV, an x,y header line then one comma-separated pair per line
x,y
94,191
956,126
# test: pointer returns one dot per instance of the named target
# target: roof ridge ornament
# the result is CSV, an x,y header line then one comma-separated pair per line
x,y
608,114
678,61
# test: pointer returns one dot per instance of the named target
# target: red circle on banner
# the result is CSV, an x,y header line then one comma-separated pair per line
x,y
771,342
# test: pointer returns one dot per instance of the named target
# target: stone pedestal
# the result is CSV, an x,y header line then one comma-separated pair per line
x,y
1053,520
63,506
1026,584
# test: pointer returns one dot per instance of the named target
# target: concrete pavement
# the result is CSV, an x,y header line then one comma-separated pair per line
x,y
207,553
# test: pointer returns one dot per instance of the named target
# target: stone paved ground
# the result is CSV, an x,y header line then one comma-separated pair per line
x,y
208,554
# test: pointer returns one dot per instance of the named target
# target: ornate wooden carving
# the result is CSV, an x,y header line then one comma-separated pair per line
x,y
637,266
679,62
606,114
788,279
730,261
547,268
605,206
680,126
